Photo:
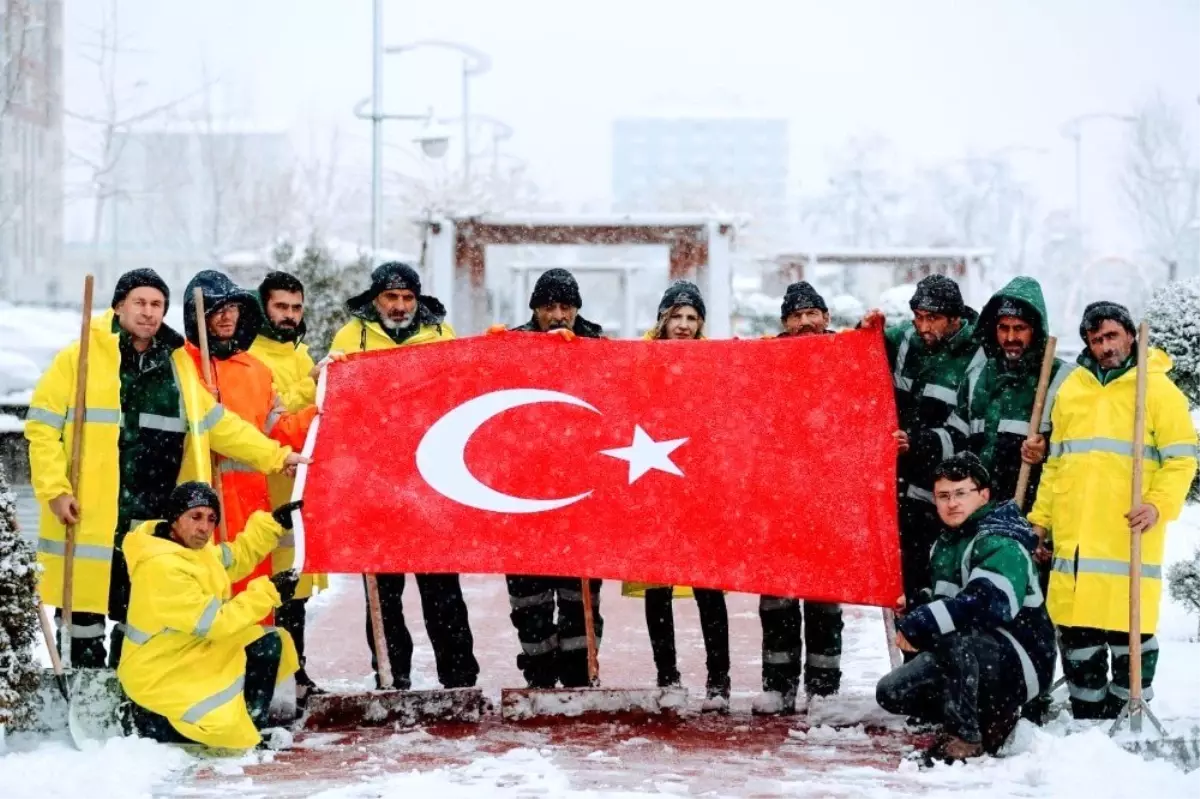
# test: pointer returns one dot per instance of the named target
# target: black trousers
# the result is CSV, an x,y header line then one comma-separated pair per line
x,y
714,626
919,527
1086,654
88,629
970,683
262,666
292,616
446,622
553,651
783,619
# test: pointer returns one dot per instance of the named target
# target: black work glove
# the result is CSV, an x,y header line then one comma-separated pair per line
x,y
285,583
283,514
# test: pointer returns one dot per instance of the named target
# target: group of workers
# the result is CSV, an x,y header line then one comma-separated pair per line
x,y
182,516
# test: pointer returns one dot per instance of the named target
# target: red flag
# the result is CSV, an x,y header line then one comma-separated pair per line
x,y
763,466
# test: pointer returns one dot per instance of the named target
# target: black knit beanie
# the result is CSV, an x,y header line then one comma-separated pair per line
x,y
1102,311
1018,309
140,278
556,285
938,294
962,466
799,297
186,496
682,292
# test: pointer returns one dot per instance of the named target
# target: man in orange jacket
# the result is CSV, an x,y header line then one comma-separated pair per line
x,y
244,385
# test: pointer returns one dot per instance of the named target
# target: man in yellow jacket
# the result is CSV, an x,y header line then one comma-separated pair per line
x,y
1083,504
280,345
198,665
147,426
394,313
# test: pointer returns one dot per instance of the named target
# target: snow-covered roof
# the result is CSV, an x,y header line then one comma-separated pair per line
x,y
882,255
593,220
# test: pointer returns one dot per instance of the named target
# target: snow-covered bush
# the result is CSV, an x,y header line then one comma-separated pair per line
x,y
327,286
894,304
1183,584
18,616
1174,317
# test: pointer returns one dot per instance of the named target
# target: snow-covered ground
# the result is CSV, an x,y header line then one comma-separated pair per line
x,y
738,756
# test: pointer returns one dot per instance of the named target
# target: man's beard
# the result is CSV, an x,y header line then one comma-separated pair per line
x,y
394,324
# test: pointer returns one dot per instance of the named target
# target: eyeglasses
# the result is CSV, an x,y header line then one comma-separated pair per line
x,y
946,497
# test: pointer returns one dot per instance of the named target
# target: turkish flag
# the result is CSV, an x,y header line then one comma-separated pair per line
x,y
764,466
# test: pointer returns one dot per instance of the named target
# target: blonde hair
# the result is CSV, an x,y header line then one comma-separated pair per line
x,y
660,327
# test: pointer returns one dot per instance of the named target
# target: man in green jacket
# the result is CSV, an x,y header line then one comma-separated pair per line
x,y
930,358
994,404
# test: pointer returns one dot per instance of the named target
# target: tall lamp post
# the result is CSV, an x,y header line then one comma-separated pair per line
x,y
475,63
433,142
1073,129
501,131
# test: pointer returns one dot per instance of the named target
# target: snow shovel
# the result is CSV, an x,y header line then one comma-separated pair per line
x,y
206,371
332,711
1184,752
522,704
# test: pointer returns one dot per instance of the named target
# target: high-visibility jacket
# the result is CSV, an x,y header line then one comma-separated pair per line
x,y
291,366
48,427
1086,489
184,654
245,386
362,335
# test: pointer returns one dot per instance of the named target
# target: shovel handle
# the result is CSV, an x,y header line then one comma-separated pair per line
x,y
48,637
1135,539
1035,417
75,468
383,663
589,630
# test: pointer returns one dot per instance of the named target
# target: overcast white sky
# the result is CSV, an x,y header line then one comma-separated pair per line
x,y
941,79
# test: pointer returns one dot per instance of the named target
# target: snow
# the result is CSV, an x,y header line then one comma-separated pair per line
x,y
825,752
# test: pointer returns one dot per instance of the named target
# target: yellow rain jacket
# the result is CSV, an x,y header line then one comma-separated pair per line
x,y
48,427
1085,492
637,590
184,655
359,335
290,366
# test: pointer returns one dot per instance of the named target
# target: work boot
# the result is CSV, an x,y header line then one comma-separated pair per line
x,y
1038,709
952,749
716,700
774,703
669,679
398,683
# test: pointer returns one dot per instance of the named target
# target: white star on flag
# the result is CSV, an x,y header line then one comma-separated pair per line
x,y
645,454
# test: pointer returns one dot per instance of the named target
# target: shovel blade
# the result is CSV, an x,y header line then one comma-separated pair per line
x,y
521,704
339,711
91,713
1183,751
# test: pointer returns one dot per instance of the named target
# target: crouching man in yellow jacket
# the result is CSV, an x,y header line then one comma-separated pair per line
x,y
198,665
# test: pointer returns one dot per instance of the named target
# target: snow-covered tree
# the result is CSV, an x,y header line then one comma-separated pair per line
x,y
1183,584
18,616
327,286
1174,316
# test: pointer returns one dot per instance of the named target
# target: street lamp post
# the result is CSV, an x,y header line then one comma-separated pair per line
x,y
433,142
475,63
501,131
1073,129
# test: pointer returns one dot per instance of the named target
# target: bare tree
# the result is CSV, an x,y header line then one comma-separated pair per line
x,y
19,96
120,110
1160,184
862,202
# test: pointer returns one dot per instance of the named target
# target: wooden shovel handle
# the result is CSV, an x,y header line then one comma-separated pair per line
x,y
1135,539
589,630
1035,417
383,663
75,467
207,371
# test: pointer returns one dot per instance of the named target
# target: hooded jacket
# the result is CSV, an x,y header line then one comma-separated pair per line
x,y
926,383
184,655
984,581
48,427
994,403
1086,486
245,385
